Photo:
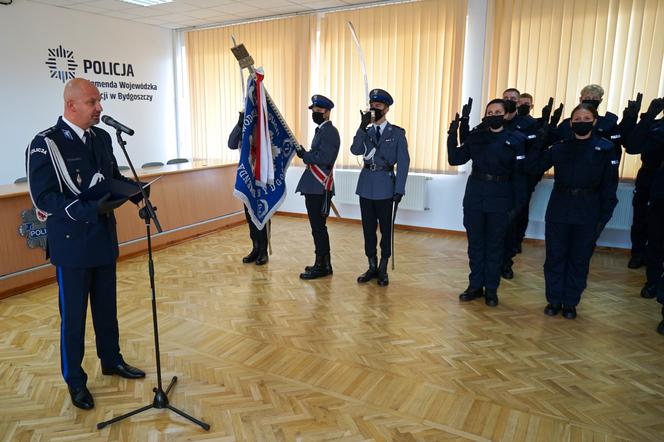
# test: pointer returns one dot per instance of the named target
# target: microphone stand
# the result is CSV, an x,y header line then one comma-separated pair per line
x,y
160,401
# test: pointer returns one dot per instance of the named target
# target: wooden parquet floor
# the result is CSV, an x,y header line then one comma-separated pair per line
x,y
264,356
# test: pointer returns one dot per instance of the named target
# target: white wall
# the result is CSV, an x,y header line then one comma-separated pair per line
x,y
31,101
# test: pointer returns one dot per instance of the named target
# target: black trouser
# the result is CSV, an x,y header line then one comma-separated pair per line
x,y
259,236
639,230
317,220
75,285
655,248
569,248
377,213
486,238
516,231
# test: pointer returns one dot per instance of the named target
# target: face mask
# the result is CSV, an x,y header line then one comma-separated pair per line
x,y
594,103
494,121
524,109
378,113
582,128
510,106
317,117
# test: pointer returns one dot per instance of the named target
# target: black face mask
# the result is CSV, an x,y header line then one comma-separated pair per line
x,y
494,121
318,117
593,103
582,128
524,109
378,113
510,106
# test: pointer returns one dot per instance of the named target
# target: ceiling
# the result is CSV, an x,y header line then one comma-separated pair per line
x,y
188,13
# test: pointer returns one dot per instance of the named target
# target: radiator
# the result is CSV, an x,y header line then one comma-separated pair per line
x,y
622,214
345,182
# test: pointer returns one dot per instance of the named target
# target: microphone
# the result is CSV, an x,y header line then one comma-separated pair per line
x,y
117,125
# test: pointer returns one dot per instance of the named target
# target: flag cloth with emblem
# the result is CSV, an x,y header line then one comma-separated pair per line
x,y
267,149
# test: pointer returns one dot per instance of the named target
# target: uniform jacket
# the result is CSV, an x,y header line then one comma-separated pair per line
x,y
391,150
59,166
648,140
580,164
323,153
500,153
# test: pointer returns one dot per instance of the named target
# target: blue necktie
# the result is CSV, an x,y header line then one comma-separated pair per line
x,y
378,133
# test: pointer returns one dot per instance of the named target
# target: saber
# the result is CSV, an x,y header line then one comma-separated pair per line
x,y
360,53
363,65
394,217
241,73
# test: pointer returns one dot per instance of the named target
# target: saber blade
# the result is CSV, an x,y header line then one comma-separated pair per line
x,y
363,64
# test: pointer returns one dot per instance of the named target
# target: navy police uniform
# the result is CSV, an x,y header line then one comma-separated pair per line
x,y
581,203
648,139
258,236
382,177
494,190
651,162
320,161
82,243
516,231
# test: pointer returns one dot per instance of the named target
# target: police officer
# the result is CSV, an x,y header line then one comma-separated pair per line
x,y
607,125
648,139
517,118
383,146
582,202
317,183
495,188
61,162
259,239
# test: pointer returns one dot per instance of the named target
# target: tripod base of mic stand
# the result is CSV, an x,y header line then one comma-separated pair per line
x,y
160,401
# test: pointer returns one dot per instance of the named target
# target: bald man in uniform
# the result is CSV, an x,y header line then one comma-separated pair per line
x,y
62,162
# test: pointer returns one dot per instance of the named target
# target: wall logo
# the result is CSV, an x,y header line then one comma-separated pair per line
x,y
33,229
61,64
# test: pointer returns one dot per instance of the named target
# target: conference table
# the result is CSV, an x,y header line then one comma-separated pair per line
x,y
191,198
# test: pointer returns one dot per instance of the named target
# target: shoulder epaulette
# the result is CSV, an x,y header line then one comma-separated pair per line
x,y
50,131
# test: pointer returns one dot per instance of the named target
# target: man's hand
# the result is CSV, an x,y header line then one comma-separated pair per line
x,y
106,206
300,151
546,111
397,198
137,198
454,125
366,120
633,108
465,109
555,119
655,108
240,119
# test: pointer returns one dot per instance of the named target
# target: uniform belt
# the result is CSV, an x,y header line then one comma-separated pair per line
x,y
375,168
489,177
573,191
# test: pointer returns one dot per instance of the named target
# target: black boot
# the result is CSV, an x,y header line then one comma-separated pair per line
x,y
552,309
328,265
471,294
649,291
491,297
660,327
506,272
371,273
251,257
635,262
262,257
569,312
383,280
319,269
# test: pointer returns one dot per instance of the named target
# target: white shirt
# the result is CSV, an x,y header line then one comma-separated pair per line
x,y
321,125
79,131
382,127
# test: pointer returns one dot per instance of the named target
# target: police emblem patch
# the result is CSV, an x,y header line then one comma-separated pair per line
x,y
33,229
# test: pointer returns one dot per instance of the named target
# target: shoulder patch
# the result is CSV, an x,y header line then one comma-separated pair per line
x,y
603,144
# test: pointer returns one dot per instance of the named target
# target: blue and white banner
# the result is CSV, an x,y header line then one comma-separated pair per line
x,y
262,196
